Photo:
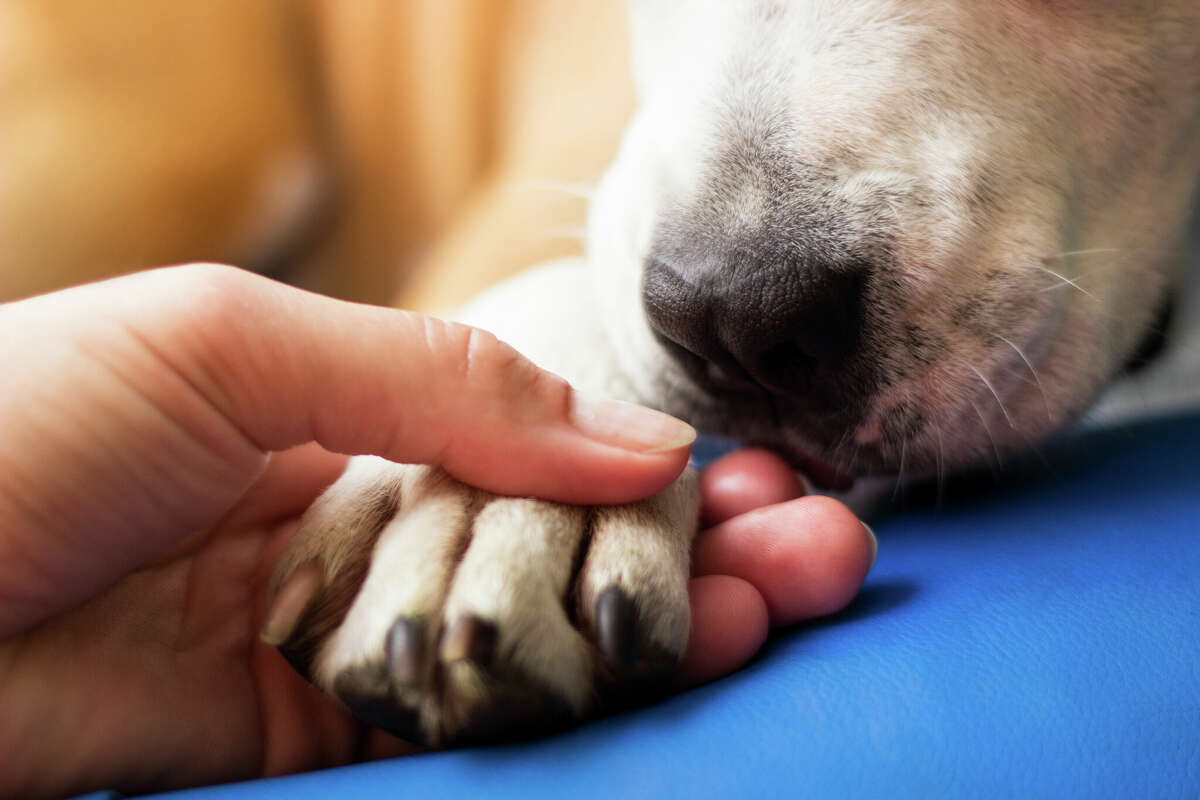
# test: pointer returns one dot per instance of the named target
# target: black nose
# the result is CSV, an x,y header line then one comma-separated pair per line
x,y
782,322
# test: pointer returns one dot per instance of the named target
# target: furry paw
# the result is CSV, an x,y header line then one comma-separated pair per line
x,y
448,615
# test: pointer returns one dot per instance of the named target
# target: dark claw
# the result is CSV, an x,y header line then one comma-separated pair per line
x,y
405,650
374,704
470,639
615,628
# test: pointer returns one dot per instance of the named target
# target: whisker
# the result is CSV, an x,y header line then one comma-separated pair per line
x,y
1032,447
1065,281
900,472
836,454
995,394
995,449
1033,372
854,457
1061,280
1096,309
1058,285
1110,250
1045,462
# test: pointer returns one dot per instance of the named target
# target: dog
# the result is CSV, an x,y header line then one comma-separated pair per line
x,y
882,238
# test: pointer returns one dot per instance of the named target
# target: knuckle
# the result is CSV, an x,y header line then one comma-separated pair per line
x,y
493,365
211,295
485,356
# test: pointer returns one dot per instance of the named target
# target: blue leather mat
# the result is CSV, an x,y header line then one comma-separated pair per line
x,y
1040,639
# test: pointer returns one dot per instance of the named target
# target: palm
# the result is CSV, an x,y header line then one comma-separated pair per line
x,y
108,684
160,681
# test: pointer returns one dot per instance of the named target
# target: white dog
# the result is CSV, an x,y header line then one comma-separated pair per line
x,y
887,236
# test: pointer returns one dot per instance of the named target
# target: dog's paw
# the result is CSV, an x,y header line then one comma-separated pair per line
x,y
447,615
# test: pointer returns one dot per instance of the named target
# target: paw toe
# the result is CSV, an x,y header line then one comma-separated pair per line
x,y
406,650
481,705
470,638
366,692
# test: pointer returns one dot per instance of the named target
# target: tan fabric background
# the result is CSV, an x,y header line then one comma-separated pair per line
x,y
359,147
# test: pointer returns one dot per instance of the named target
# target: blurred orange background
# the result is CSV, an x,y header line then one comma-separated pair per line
x,y
406,151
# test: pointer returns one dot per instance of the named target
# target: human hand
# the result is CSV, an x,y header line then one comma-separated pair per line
x,y
142,507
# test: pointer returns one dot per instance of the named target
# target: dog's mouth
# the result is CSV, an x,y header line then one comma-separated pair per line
x,y
833,444
823,474
735,405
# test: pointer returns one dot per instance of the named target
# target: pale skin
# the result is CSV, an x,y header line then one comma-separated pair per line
x,y
161,433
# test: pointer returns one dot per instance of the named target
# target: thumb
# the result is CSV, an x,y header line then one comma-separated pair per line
x,y
140,410
287,367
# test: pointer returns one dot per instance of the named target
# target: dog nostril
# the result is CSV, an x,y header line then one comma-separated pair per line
x,y
679,314
782,360
811,330
771,322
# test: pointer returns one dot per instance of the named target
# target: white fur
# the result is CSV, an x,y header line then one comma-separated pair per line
x,y
1038,158
1078,120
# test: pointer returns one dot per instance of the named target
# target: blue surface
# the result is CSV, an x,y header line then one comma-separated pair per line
x,y
1039,639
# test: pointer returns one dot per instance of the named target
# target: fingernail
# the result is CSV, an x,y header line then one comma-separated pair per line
x,y
874,544
629,426
293,600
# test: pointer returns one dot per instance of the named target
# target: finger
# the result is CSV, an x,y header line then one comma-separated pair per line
x,y
807,557
142,408
286,367
292,480
287,703
743,481
380,744
729,625
289,484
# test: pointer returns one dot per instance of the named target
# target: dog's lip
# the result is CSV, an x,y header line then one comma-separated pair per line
x,y
736,390
821,473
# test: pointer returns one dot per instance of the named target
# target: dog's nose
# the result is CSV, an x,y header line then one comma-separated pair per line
x,y
779,322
